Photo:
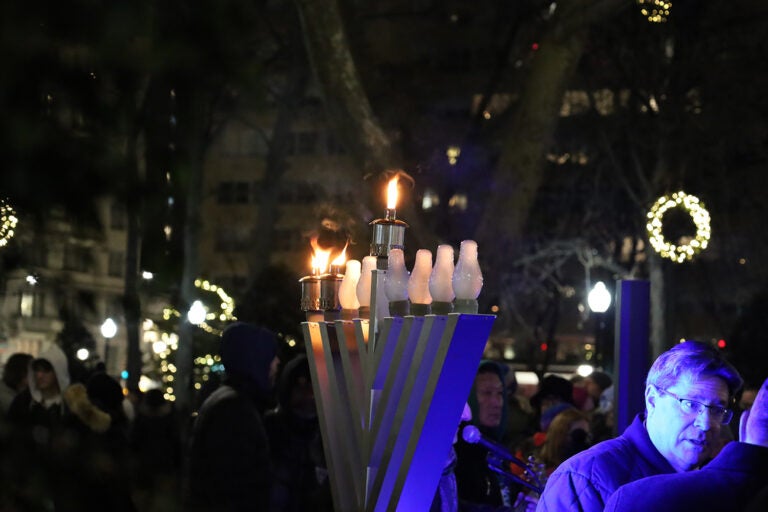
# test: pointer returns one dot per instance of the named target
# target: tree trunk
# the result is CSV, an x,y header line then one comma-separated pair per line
x,y
348,108
520,171
195,143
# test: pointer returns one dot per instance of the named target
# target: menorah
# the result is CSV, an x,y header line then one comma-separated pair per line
x,y
390,390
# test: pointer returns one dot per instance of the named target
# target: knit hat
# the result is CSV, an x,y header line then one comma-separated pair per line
x,y
247,351
105,393
602,379
553,386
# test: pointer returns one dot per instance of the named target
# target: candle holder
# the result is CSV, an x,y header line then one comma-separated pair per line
x,y
310,298
320,297
387,234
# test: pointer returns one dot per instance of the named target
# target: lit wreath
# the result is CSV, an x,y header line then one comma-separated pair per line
x,y
8,221
227,307
700,217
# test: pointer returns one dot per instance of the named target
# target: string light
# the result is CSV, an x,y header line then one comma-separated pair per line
x,y
655,11
8,221
700,217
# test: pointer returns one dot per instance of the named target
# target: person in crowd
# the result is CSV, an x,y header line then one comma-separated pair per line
x,y
14,379
156,442
521,423
554,391
93,469
748,396
599,385
292,428
567,435
688,392
229,463
729,482
37,423
41,404
745,401
555,394
477,484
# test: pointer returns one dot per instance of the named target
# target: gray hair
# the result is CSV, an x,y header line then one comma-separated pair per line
x,y
693,359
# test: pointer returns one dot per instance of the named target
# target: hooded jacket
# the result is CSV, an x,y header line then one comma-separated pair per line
x,y
229,465
54,355
477,484
27,408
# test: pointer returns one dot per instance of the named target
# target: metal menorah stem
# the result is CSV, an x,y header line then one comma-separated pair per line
x,y
389,405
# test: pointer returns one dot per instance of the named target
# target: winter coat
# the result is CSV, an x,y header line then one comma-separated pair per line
x,y
228,460
229,466
728,482
586,481
94,467
294,444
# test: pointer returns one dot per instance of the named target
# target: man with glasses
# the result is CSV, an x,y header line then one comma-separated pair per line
x,y
728,482
688,393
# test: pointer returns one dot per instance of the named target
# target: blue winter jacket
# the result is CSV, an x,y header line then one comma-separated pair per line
x,y
586,481
727,483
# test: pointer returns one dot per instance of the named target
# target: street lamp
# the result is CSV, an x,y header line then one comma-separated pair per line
x,y
599,300
108,330
196,314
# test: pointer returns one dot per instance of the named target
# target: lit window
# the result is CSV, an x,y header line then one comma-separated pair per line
x,y
31,305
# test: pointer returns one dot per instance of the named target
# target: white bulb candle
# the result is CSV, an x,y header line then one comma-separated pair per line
x,y
364,283
396,283
348,288
418,284
467,277
440,285
396,280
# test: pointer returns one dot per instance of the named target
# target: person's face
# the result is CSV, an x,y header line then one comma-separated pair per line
x,y
592,388
686,440
490,399
747,399
45,380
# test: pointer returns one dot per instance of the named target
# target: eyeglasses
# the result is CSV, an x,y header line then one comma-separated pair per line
x,y
689,406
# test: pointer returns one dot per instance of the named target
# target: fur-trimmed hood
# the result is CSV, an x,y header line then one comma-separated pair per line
x,y
76,397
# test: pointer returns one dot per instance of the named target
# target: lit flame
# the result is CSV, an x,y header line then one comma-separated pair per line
x,y
319,258
392,194
341,259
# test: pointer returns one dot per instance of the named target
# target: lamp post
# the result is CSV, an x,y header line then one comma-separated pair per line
x,y
599,300
108,330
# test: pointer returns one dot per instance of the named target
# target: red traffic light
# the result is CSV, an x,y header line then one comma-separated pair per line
x,y
721,343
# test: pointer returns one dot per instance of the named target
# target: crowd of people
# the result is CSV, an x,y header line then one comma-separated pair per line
x,y
254,442
681,453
